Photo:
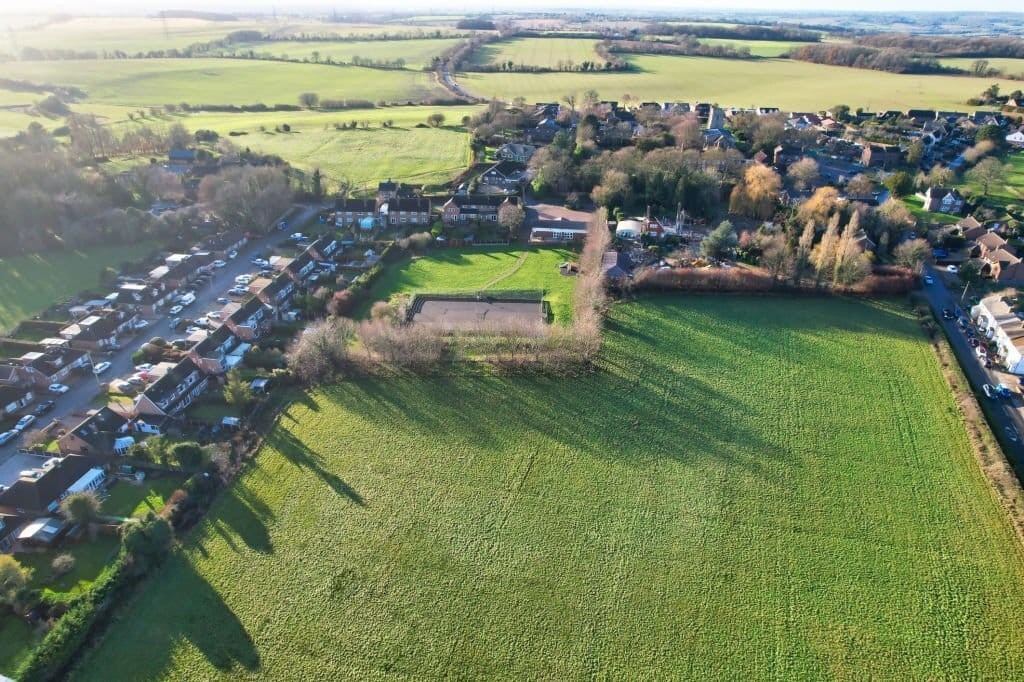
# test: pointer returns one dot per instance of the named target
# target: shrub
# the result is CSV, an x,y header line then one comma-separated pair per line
x,y
188,454
62,565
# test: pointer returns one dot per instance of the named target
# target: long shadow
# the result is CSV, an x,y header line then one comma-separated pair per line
x,y
300,454
140,646
246,523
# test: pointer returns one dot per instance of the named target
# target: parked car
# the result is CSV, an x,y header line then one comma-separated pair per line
x,y
259,262
192,330
141,324
1011,433
187,299
1004,391
24,422
243,279
952,269
7,437
214,315
974,342
223,300
175,309
989,391
43,407
180,344
297,236
58,388
962,322
238,291
101,368
144,367
947,314
233,255
981,352
928,279
219,263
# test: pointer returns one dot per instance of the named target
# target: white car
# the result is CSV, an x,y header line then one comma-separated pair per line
x,y
58,388
219,263
175,309
24,423
201,322
144,367
298,236
101,368
215,315
192,330
135,380
223,300
260,262
141,324
952,269
243,279
233,255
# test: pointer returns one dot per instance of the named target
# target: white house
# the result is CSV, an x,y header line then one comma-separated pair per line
x,y
1000,324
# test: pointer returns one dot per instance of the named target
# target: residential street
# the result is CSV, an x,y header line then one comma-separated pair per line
x,y
1008,412
72,406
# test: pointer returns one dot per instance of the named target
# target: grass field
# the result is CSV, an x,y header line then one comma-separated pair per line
x,y
155,82
1013,67
32,283
791,85
128,499
758,48
416,53
546,52
747,488
1010,192
472,269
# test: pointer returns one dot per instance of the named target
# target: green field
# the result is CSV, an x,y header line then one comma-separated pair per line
x,y
1010,192
416,53
1011,67
783,83
155,82
746,488
758,48
546,52
472,269
128,499
32,283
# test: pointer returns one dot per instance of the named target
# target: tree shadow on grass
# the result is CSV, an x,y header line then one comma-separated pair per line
x,y
184,607
300,454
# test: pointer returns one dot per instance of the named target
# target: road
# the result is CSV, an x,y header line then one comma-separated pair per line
x,y
1005,412
73,406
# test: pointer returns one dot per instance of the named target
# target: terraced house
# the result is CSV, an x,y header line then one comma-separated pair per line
x,y
468,208
173,392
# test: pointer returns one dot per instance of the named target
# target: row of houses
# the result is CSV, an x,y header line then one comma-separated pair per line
x,y
395,206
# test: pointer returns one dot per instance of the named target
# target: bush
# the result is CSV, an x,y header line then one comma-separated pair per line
x,y
62,565
188,454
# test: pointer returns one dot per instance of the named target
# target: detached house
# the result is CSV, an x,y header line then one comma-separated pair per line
x,y
504,175
943,200
466,208
174,392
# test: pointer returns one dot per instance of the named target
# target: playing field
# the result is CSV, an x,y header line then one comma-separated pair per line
x,y
747,488
546,52
32,283
783,83
155,82
482,269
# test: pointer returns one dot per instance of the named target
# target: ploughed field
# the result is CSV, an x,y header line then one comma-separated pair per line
x,y
745,488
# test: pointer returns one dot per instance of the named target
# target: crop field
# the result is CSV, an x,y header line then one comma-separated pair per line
x,y
474,268
546,52
32,283
734,82
416,53
155,82
746,488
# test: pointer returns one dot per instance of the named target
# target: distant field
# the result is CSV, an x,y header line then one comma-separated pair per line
x,y
30,284
471,269
1012,67
364,156
416,53
732,82
141,34
745,488
155,82
758,48
546,52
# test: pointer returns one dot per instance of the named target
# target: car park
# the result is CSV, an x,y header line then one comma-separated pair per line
x,y
7,437
101,368
58,388
175,309
43,407
24,422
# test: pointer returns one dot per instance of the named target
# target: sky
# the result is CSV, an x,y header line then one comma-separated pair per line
x,y
433,6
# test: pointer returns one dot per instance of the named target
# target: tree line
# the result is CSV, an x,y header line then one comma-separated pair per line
x,y
685,46
738,32
891,59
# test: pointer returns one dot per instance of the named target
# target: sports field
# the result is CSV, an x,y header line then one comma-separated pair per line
x,y
485,268
783,83
155,82
545,52
32,283
747,488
